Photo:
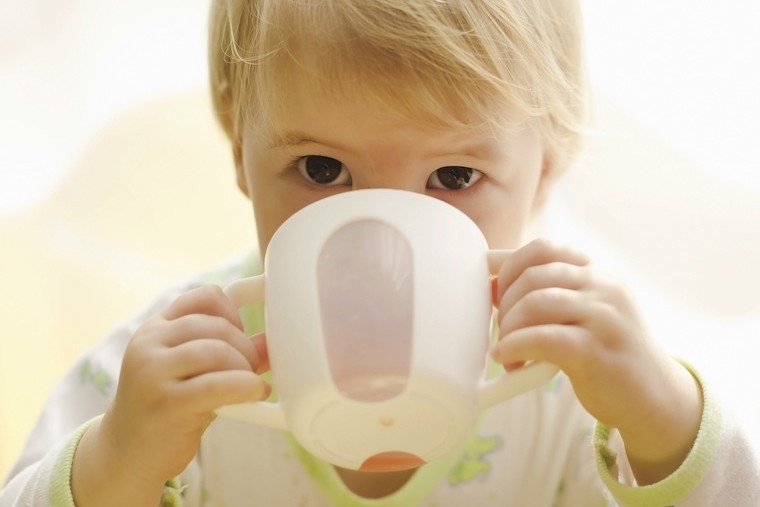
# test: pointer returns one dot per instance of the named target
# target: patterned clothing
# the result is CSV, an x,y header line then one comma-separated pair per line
x,y
540,449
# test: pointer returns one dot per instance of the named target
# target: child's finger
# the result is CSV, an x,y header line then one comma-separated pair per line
x,y
207,300
555,274
205,355
546,306
536,253
195,327
259,342
554,343
213,390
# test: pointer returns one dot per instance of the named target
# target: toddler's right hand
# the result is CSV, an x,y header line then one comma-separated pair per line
x,y
178,368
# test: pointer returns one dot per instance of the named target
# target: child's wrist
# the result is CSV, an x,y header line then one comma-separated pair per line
x,y
98,477
658,445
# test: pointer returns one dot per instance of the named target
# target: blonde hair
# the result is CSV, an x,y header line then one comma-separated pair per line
x,y
448,63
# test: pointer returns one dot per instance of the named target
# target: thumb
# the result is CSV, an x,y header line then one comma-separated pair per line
x,y
259,342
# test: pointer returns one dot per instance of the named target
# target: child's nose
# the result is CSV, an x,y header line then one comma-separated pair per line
x,y
395,179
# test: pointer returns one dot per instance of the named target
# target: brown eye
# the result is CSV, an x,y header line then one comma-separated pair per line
x,y
323,170
454,178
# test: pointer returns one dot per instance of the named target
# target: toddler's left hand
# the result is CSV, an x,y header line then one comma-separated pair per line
x,y
554,306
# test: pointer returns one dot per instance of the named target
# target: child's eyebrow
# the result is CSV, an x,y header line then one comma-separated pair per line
x,y
481,149
293,138
284,139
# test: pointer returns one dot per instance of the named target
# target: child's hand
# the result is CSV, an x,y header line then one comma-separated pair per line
x,y
555,307
178,368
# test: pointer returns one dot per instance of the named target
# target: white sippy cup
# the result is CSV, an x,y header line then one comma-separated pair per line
x,y
378,319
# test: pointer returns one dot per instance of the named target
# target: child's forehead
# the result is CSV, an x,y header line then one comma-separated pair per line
x,y
303,110
311,85
359,127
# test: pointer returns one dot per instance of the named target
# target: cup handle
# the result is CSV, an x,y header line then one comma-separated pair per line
x,y
266,413
527,378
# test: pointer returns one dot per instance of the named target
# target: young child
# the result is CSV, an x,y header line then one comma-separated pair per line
x,y
479,103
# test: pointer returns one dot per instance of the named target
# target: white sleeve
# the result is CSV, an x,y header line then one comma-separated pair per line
x,y
733,477
45,482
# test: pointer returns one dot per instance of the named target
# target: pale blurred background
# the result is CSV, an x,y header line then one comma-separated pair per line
x,y
115,181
